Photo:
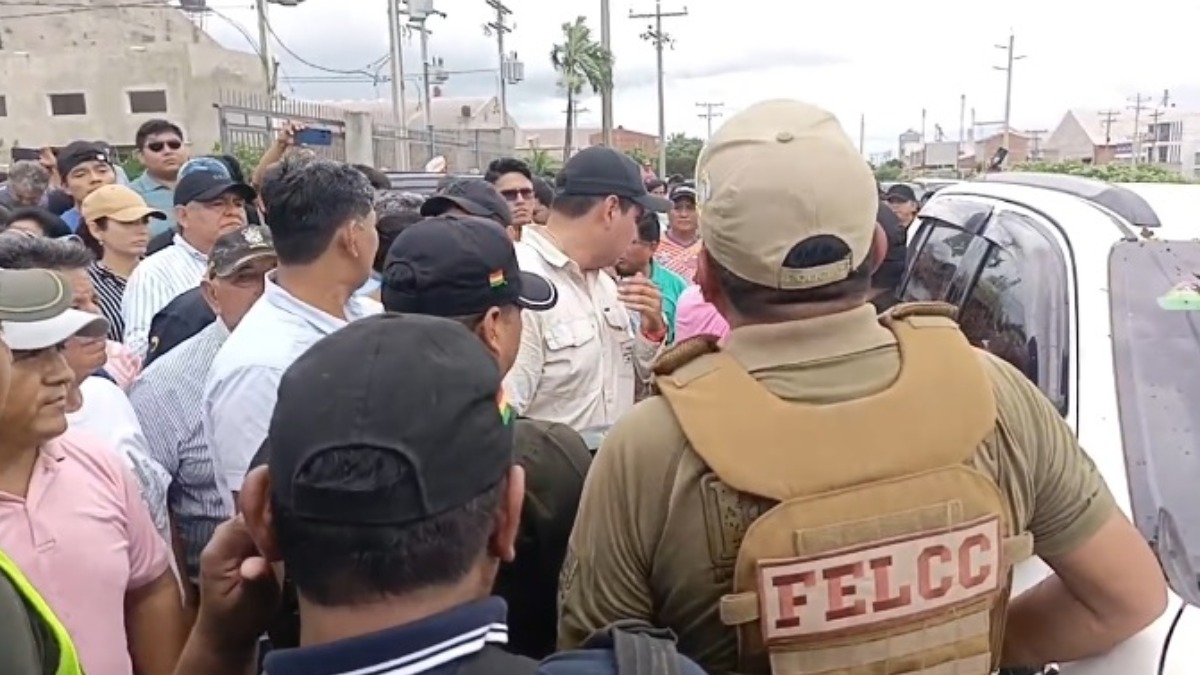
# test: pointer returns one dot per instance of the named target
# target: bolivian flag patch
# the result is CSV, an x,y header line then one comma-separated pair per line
x,y
506,411
496,279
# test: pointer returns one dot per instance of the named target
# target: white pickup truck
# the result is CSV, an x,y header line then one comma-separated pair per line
x,y
1094,293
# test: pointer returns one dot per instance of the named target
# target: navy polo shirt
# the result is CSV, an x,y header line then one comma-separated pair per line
x,y
434,645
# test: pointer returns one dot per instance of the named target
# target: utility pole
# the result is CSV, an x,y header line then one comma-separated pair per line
x,y
1035,141
419,17
862,134
399,105
1139,102
660,39
711,110
606,95
1154,118
264,48
962,123
924,115
1008,80
501,28
1109,116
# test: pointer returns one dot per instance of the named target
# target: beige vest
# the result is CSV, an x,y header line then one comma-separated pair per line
x,y
887,553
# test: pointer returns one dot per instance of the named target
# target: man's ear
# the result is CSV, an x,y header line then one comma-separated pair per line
x,y
488,330
706,278
254,502
503,543
208,289
879,248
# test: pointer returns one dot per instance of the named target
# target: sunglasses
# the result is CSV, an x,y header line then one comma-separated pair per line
x,y
514,194
157,146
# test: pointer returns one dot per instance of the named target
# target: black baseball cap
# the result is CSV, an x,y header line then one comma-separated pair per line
x,y
187,314
203,185
448,423
459,266
900,192
473,195
78,152
600,171
233,250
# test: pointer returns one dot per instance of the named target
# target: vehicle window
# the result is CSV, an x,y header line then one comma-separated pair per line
x,y
1154,290
1018,307
938,253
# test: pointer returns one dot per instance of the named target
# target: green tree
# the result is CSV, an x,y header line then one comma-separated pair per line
x,y
682,153
638,155
541,163
1113,173
580,61
889,170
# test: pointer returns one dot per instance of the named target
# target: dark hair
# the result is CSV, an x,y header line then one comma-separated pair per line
x,y
543,190
51,225
59,202
504,165
390,227
21,252
235,167
649,229
379,179
88,239
578,206
752,300
653,184
306,206
343,565
153,128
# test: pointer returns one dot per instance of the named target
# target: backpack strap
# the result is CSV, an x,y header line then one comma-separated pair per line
x,y
638,648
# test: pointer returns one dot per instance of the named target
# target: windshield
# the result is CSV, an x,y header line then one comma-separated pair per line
x,y
1155,295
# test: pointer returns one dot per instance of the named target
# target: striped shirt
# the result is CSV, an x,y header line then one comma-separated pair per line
x,y
168,398
154,283
110,288
677,257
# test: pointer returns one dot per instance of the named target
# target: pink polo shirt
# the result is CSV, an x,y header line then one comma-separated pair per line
x,y
83,538
695,316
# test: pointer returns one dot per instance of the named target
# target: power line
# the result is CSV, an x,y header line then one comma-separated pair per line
x,y
711,110
65,10
660,39
336,71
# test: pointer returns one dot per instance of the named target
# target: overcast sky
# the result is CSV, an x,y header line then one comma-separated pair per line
x,y
854,57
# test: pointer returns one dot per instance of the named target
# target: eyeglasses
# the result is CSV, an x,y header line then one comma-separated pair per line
x,y
513,194
157,146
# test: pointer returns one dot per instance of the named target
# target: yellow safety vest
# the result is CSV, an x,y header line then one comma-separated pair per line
x,y
68,659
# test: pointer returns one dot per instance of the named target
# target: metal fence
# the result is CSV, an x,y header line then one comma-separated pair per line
x,y
251,121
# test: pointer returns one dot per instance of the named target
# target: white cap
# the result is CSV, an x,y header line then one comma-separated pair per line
x,y
29,336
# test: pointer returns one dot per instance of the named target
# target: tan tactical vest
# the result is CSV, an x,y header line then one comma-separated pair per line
x,y
888,553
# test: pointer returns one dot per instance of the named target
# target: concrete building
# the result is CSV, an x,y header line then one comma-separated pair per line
x,y
97,70
1172,141
553,139
1089,136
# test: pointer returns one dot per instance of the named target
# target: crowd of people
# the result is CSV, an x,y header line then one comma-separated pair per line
x,y
305,424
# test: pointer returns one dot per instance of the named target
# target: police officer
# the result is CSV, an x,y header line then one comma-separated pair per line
x,y
834,492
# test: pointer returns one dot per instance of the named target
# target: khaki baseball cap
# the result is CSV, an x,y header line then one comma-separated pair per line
x,y
119,203
777,174
36,313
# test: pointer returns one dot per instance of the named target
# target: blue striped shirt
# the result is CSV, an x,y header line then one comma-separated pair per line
x,y
156,281
168,397
239,395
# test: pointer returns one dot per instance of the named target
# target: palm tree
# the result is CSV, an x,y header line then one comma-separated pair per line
x,y
541,163
580,61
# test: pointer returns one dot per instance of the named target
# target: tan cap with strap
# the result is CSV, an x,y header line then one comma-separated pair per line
x,y
776,174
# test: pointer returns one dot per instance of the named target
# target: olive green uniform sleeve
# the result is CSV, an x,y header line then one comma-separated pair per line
x,y
20,654
1066,498
606,574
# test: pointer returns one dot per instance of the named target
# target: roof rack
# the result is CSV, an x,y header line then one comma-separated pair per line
x,y
1121,201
